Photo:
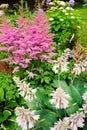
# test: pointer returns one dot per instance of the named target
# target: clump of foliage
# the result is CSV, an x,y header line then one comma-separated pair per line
x,y
64,23
9,99
66,101
53,92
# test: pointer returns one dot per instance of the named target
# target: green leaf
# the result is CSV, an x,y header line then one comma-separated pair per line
x,y
47,80
47,119
6,114
85,126
1,94
1,117
73,107
10,125
12,104
75,94
80,85
18,128
61,83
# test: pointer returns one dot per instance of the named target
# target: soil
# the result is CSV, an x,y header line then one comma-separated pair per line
x,y
5,68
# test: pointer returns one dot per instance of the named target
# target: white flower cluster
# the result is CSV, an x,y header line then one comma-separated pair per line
x,y
60,125
84,106
62,62
60,3
69,8
4,6
80,67
73,122
24,89
26,118
60,98
68,11
76,120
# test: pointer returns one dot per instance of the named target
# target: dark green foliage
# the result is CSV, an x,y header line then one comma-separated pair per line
x,y
9,99
47,112
44,76
47,118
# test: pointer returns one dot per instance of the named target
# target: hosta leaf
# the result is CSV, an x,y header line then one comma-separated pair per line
x,y
47,118
75,94
73,107
61,83
80,85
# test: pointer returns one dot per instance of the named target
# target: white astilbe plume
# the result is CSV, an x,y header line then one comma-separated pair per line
x,y
24,89
26,118
61,125
85,97
59,98
80,67
76,120
62,62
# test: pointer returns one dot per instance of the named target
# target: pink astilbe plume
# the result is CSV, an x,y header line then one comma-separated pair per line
x,y
29,40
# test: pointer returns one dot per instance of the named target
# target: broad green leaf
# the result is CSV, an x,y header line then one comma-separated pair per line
x,y
61,83
1,94
47,119
73,107
80,85
75,94
18,128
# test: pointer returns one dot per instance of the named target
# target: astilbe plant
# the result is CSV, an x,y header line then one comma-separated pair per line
x,y
29,40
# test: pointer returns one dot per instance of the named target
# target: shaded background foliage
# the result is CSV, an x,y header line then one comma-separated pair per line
x,y
31,3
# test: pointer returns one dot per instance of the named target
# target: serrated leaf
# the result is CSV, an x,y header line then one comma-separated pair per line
x,y
1,94
47,80
12,104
